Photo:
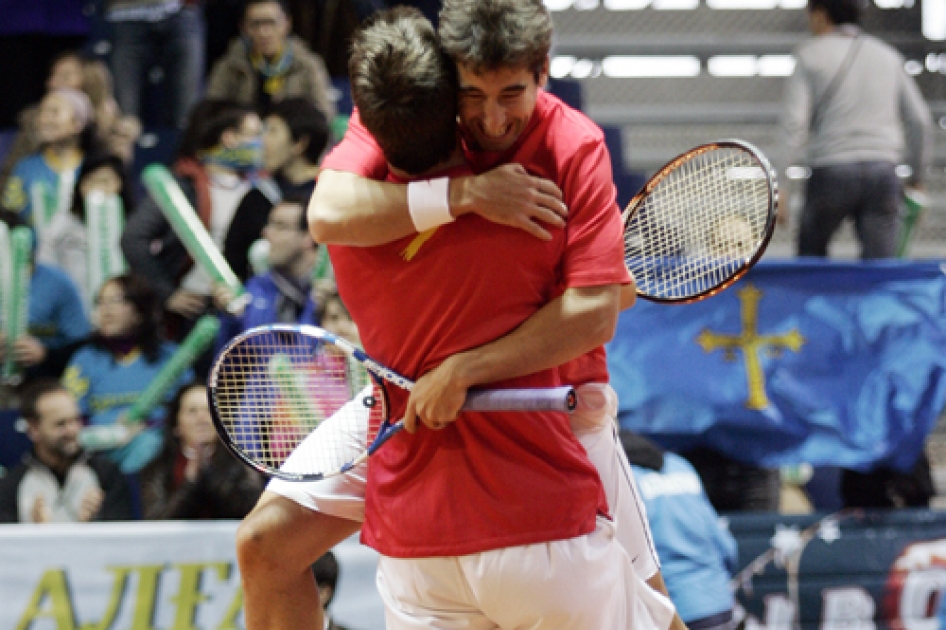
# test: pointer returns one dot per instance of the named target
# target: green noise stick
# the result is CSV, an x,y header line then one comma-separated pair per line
x,y
105,220
17,299
181,215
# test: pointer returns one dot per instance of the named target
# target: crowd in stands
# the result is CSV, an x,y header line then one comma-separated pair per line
x,y
253,125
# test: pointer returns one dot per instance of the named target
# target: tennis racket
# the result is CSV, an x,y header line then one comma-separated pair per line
x,y
701,222
290,401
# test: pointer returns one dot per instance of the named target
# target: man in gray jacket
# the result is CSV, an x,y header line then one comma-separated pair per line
x,y
267,64
860,114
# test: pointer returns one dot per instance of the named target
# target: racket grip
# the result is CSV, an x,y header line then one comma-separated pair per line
x,y
536,399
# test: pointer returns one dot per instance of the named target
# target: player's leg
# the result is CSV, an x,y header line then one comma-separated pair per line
x,y
276,546
294,524
595,427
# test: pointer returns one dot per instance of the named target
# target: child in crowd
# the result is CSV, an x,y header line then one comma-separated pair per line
x,y
41,183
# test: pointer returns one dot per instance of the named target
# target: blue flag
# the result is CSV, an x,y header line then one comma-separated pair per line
x,y
830,363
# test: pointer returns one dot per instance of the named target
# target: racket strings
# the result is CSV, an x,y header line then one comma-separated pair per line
x,y
699,225
277,390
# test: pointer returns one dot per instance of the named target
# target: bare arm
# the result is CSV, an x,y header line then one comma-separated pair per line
x,y
582,319
656,582
347,209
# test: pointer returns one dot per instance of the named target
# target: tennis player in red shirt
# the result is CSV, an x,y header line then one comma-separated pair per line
x,y
578,161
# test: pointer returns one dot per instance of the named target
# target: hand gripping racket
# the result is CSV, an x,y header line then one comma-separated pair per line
x,y
701,222
289,400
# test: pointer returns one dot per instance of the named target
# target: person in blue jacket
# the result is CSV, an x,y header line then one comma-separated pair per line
x,y
697,554
284,293
56,322
123,356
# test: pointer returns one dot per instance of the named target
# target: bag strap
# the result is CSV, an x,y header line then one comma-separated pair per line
x,y
839,76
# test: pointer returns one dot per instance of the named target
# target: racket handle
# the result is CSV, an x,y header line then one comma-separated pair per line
x,y
546,399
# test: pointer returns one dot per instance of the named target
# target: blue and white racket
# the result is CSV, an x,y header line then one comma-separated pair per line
x,y
296,402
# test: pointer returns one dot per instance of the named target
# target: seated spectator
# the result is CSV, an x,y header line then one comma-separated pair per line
x,y
66,242
295,135
64,72
71,70
335,318
284,293
698,556
267,64
58,482
66,131
195,476
56,324
219,153
171,32
121,359
325,570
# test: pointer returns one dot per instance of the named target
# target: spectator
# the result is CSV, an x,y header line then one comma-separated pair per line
x,y
858,111
219,152
284,293
66,244
66,131
336,319
118,363
294,136
58,482
171,31
195,476
57,324
698,556
268,64
71,70
117,131
325,570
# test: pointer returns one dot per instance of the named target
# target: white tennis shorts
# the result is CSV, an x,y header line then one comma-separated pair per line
x,y
594,425
575,584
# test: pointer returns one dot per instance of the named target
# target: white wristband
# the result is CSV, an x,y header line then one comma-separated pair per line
x,y
429,203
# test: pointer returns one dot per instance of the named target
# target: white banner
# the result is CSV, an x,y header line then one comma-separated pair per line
x,y
147,576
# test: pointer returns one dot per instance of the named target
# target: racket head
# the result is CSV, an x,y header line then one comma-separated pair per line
x,y
285,400
701,222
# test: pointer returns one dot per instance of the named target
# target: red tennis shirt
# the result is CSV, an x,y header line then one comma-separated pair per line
x,y
488,480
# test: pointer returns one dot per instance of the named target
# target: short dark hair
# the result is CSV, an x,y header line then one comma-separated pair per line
x,y
488,36
405,89
838,11
282,5
207,121
296,199
325,570
92,163
33,391
304,120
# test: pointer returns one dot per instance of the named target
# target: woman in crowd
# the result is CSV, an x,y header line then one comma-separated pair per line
x,y
66,241
195,477
116,366
67,133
